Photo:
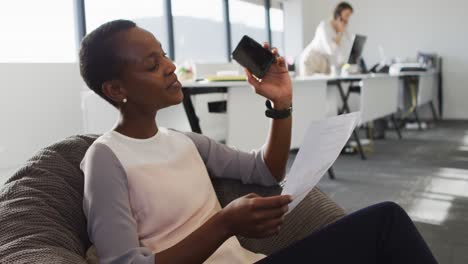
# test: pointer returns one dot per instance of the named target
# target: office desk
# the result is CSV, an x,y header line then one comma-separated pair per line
x,y
248,127
308,101
247,124
203,87
187,102
379,98
380,88
423,93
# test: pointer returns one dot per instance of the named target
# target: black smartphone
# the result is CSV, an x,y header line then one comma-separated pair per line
x,y
253,56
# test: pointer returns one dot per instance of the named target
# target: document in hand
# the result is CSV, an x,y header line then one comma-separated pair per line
x,y
322,145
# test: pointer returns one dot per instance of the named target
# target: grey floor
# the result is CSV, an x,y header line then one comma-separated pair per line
x,y
426,173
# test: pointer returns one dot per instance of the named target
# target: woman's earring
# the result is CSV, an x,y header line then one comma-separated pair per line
x,y
124,100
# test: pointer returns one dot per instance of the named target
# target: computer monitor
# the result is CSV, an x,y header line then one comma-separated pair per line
x,y
357,48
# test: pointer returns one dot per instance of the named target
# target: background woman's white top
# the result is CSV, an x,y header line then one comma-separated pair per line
x,y
323,47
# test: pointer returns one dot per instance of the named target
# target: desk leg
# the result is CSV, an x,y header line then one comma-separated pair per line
x,y
416,115
434,112
358,142
331,173
344,99
190,111
397,127
346,109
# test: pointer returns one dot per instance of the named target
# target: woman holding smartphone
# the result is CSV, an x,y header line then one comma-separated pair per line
x,y
331,45
148,197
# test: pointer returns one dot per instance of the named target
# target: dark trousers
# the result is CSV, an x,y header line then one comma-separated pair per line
x,y
382,233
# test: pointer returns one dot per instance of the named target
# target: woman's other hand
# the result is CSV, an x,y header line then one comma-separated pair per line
x,y
254,216
276,85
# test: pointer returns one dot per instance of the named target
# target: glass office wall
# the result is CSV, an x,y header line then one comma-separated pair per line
x,y
148,14
198,26
277,27
199,31
247,18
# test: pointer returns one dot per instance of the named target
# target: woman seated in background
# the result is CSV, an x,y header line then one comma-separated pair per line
x,y
331,45
148,197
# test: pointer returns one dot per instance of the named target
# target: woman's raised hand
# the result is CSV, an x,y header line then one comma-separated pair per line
x,y
276,85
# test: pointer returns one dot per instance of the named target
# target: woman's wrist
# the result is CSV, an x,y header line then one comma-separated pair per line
x,y
281,104
222,225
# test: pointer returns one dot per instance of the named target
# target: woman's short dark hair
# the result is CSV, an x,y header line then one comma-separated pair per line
x,y
340,8
99,60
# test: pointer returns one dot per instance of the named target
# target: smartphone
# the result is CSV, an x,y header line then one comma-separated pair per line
x,y
253,56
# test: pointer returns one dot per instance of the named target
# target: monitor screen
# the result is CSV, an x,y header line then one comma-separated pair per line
x,y
356,50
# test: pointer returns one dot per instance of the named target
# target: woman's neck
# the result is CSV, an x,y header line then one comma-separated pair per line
x,y
334,26
137,126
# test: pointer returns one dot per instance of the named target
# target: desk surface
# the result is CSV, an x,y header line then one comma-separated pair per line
x,y
415,73
319,77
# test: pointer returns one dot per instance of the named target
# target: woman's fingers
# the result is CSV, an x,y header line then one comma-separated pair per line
x,y
265,215
252,195
272,202
275,52
272,224
251,79
282,63
271,227
275,72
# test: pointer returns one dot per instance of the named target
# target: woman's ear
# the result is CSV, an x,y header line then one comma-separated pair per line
x,y
114,91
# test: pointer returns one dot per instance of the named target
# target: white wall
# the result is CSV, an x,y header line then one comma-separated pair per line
x,y
403,28
99,116
40,104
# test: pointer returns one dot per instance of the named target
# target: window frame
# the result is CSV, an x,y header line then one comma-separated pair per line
x,y
81,24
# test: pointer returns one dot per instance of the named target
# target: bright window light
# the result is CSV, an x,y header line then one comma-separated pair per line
x,y
247,19
148,14
429,211
463,148
248,14
101,11
199,31
277,29
453,173
433,203
204,9
37,31
277,20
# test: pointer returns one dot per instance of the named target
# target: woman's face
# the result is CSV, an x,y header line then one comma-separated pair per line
x,y
148,76
345,16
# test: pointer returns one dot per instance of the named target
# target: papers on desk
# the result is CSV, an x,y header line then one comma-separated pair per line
x,y
322,145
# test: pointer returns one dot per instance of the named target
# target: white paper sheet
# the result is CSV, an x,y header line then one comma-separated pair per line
x,y
322,145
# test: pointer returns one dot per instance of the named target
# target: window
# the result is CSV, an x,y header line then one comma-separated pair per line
x,y
277,27
247,19
38,31
199,28
199,31
148,14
